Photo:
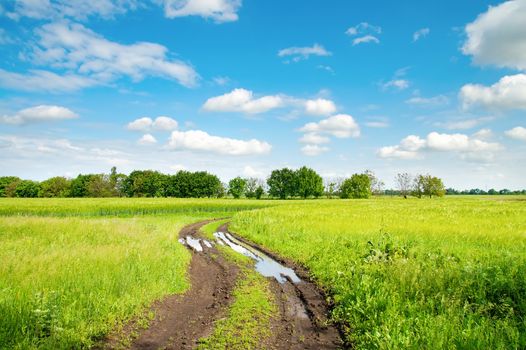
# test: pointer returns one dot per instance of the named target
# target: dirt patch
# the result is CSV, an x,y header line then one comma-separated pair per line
x,y
303,321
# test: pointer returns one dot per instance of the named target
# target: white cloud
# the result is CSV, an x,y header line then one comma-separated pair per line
x,y
42,113
217,10
377,124
498,36
161,123
467,147
313,150
365,33
421,33
320,106
78,9
483,134
506,94
242,100
303,53
518,133
40,80
197,140
72,46
340,126
434,101
314,139
221,81
147,139
464,124
398,84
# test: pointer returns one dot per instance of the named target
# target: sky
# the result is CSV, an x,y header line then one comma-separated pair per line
x,y
242,87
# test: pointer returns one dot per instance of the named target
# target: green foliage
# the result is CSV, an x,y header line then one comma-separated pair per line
x,y
54,187
309,183
186,184
427,185
251,187
259,192
145,183
451,274
357,186
282,183
8,185
27,189
237,187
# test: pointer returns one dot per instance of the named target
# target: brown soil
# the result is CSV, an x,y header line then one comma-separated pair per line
x,y
181,320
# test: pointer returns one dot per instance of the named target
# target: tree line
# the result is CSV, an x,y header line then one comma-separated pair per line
x,y
282,183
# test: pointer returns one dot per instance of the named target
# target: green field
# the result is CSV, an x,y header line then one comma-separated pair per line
x,y
410,274
402,274
74,269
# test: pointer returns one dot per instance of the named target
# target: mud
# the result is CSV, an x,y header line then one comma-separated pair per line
x,y
181,320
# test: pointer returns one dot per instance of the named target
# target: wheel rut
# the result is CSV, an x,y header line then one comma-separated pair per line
x,y
181,320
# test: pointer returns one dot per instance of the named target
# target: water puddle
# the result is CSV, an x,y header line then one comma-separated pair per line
x,y
265,265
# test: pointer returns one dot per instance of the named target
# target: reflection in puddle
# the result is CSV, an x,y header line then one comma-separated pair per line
x,y
265,265
194,243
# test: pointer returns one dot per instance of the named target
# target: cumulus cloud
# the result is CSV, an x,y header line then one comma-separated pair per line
x,y
340,126
364,33
217,10
161,123
73,47
498,36
421,33
314,150
77,9
197,140
147,139
303,53
397,84
320,106
465,123
249,171
435,101
467,147
506,94
42,113
518,133
483,134
243,101
44,81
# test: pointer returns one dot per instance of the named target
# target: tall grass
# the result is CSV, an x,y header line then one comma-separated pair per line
x,y
410,274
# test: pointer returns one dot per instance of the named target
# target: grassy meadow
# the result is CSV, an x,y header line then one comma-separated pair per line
x,y
410,274
74,269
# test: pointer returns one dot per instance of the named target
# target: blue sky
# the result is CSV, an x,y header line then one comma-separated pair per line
x,y
244,87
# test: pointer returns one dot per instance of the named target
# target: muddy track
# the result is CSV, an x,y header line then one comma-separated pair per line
x,y
181,320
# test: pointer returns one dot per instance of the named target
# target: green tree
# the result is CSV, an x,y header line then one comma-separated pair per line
x,y
100,185
237,187
251,187
57,186
79,185
427,185
8,185
282,183
27,189
145,183
308,183
357,186
259,192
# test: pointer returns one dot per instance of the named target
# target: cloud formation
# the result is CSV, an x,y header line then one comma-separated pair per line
x,y
498,36
147,139
340,126
161,123
364,33
314,150
303,53
42,113
197,140
506,94
517,133
218,10
421,33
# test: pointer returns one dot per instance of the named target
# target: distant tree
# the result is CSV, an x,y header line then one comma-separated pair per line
x,y
100,185
27,189
377,185
282,183
505,191
357,186
451,191
251,187
404,182
79,185
237,187
55,187
145,183
308,183
330,187
427,185
8,185
259,192
493,191
207,185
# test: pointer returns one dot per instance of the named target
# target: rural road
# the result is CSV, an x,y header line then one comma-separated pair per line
x,y
181,320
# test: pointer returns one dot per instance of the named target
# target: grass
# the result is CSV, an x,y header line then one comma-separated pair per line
x,y
247,324
69,274
410,274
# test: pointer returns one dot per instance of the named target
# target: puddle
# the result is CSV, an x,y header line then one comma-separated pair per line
x,y
194,243
265,265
